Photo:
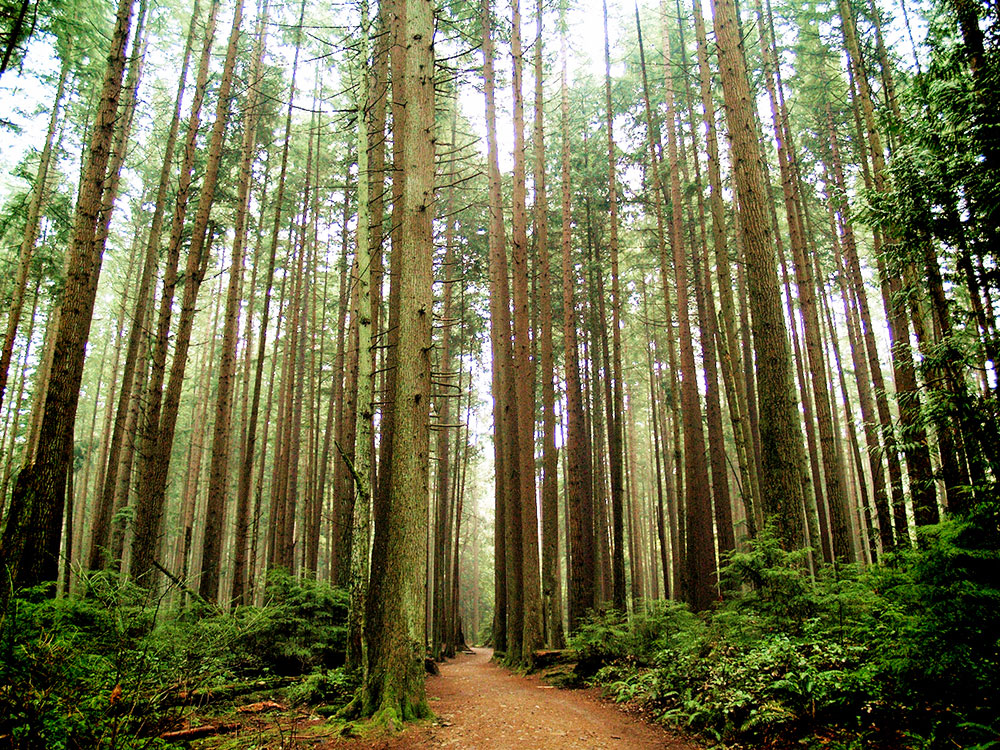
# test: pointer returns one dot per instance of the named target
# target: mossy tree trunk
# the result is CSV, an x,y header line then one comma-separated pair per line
x,y
394,687
782,459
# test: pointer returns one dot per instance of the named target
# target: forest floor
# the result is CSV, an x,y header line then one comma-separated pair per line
x,y
482,706
477,705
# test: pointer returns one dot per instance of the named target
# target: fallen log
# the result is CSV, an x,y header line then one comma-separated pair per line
x,y
202,730
260,707
204,695
546,658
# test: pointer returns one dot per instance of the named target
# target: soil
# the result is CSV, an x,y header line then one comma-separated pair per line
x,y
482,706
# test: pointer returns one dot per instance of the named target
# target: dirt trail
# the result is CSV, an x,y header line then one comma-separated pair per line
x,y
481,706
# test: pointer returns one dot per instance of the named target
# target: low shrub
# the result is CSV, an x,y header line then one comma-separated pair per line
x,y
81,673
323,687
108,669
901,655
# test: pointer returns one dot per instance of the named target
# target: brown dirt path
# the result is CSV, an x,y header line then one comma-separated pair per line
x,y
481,706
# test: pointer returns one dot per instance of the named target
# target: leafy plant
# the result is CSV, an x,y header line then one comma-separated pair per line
x,y
335,686
109,669
903,655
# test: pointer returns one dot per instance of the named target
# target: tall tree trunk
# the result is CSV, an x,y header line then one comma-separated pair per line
x,y
579,510
440,643
655,407
395,684
357,656
187,551
10,426
914,437
833,470
218,478
335,414
240,561
504,408
869,373
29,548
198,254
728,344
109,403
147,509
782,460
523,370
673,475
348,427
710,335
700,559
551,585
617,402
814,509
598,397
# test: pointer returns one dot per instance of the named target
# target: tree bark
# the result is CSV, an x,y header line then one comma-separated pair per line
x,y
29,548
782,461
616,403
551,584
700,557
578,482
395,682
524,371
833,469
198,254
147,508
218,478
361,522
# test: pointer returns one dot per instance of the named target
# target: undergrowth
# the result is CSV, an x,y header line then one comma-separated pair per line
x,y
112,668
901,655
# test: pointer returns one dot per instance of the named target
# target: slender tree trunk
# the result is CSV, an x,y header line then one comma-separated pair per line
x,y
218,478
914,438
579,509
109,416
147,510
339,390
617,401
523,370
868,371
551,585
361,522
833,470
710,336
36,205
700,558
440,643
240,562
654,405
348,428
674,478
14,35
189,500
198,255
508,636
814,508
10,427
599,400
